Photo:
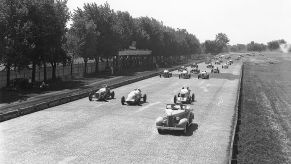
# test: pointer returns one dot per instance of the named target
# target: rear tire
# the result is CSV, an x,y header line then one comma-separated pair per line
x,y
185,130
123,100
112,94
193,97
175,99
160,131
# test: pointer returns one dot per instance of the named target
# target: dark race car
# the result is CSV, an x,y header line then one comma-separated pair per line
x,y
102,94
184,75
178,118
134,98
215,70
210,65
195,70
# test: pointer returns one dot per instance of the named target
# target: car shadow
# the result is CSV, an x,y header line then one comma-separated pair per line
x,y
190,130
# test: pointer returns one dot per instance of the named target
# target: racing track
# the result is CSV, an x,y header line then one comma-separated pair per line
x,y
107,132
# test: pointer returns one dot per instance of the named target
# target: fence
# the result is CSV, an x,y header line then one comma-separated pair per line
x,y
63,72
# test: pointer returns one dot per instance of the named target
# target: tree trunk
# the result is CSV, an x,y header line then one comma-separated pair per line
x,y
96,64
44,72
54,77
85,61
33,72
8,74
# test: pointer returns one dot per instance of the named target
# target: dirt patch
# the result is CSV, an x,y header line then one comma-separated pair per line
x,y
265,114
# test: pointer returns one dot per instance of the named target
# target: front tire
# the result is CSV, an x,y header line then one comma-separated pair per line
x,y
193,97
90,96
112,94
144,98
175,99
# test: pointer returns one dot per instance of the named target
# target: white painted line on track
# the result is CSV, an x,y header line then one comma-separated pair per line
x,y
67,160
147,106
99,105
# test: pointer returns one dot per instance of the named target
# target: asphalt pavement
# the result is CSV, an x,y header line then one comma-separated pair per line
x,y
107,132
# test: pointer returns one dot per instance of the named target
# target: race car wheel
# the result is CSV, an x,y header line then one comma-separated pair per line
x,y
112,94
90,96
193,97
175,99
185,129
179,76
160,131
123,100
144,98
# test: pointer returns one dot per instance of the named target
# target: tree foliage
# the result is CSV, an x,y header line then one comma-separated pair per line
x,y
216,46
256,46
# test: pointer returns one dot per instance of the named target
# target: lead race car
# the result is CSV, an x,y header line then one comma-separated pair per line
x,y
134,97
225,66
177,117
195,70
166,74
102,94
184,96
210,65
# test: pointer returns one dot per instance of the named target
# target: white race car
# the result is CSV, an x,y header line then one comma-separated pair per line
x,y
184,96
134,97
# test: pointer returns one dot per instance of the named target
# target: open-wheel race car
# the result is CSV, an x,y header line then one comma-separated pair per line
x,y
166,74
210,65
225,66
230,61
215,70
195,70
102,94
182,68
184,75
217,62
194,65
184,96
178,117
203,75
134,97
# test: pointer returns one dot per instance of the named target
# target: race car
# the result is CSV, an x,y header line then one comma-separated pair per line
x,y
134,98
210,65
181,69
184,96
203,75
194,65
230,61
178,117
195,70
102,94
217,62
225,66
215,70
166,74
184,75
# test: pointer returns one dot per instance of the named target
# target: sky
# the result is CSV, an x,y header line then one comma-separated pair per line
x,y
242,21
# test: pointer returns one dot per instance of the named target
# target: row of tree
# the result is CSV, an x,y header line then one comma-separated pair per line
x,y
98,31
253,46
34,33
216,46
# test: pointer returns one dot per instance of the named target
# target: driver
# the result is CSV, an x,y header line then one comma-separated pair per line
x,y
183,91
